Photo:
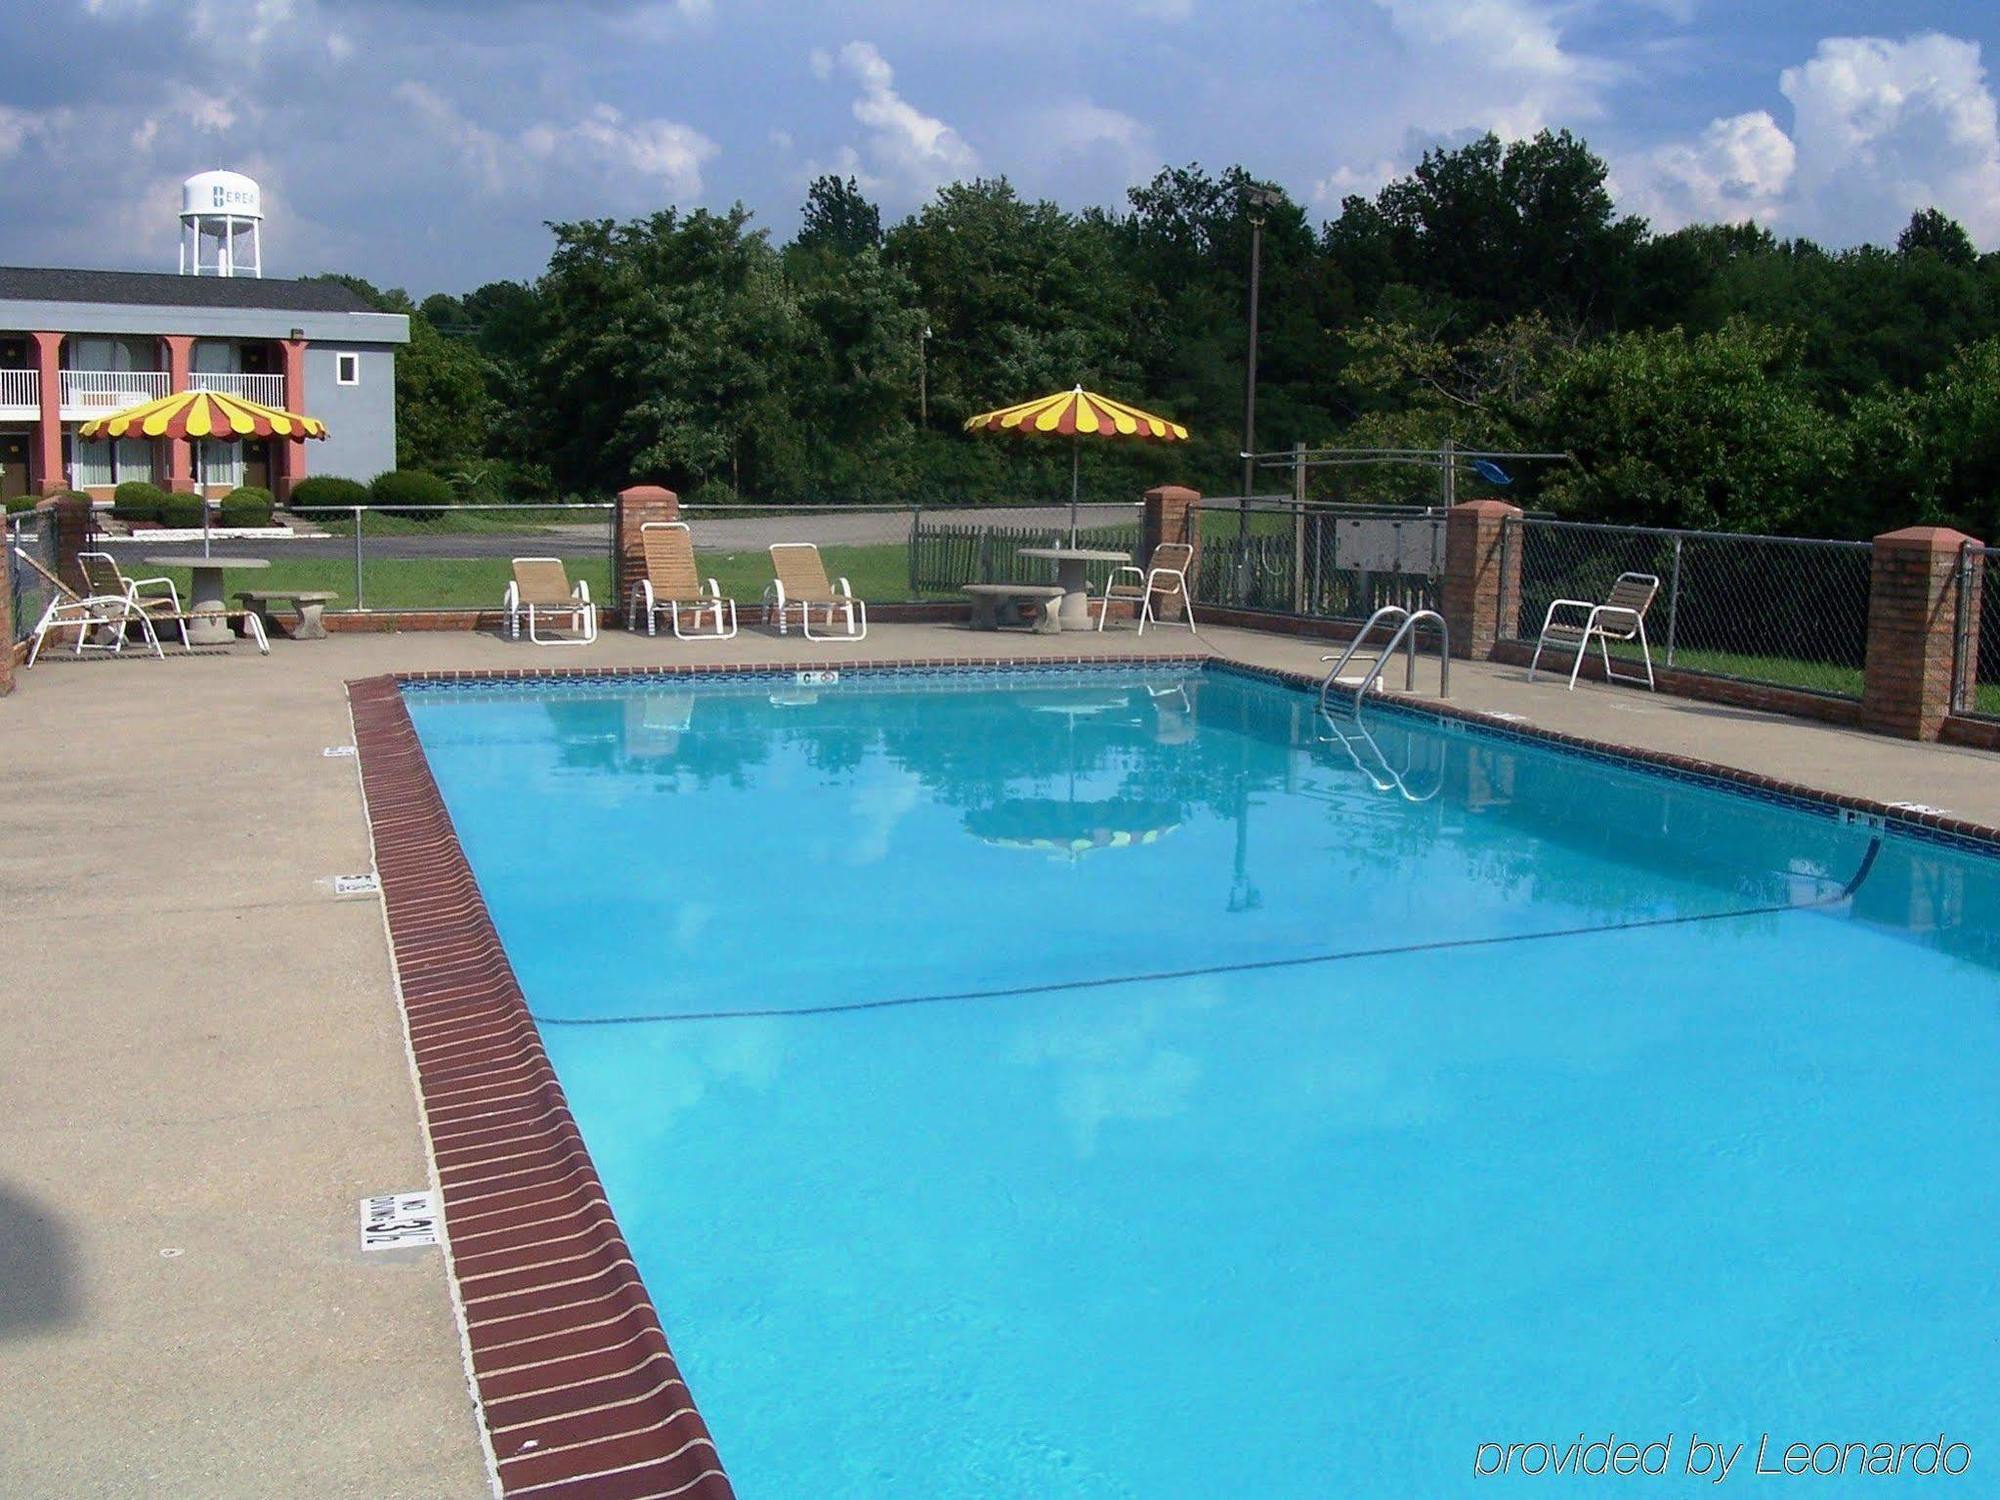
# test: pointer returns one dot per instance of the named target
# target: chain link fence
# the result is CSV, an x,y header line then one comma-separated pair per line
x,y
1784,611
33,533
1976,677
1328,562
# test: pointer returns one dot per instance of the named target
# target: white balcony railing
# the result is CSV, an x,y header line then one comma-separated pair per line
x,y
98,392
21,388
269,389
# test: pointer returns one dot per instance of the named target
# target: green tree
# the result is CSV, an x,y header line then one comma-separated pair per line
x,y
1931,232
839,217
1717,431
443,410
668,338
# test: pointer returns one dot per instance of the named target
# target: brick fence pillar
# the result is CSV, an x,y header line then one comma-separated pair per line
x,y
76,529
1913,614
1482,579
636,506
1172,514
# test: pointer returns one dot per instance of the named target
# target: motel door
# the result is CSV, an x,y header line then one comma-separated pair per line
x,y
13,465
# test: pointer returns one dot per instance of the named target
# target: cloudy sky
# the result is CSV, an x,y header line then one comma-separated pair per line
x,y
425,143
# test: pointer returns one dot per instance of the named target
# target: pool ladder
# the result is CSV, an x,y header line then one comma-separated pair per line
x,y
1405,637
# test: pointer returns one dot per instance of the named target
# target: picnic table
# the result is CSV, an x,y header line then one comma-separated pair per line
x,y
1074,612
207,606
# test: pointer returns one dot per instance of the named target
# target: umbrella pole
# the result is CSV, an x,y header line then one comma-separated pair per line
x,y
1075,458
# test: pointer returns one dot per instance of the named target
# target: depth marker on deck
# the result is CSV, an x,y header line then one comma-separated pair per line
x,y
399,1221
337,752
355,885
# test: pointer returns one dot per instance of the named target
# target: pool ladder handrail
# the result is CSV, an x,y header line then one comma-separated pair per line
x,y
1405,636
1383,776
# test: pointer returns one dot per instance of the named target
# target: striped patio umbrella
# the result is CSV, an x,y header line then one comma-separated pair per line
x,y
1078,414
204,414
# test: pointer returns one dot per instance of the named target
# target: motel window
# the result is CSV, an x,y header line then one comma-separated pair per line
x,y
347,369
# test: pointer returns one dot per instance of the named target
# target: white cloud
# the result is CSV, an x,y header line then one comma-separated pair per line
x,y
1885,127
1366,182
667,154
1500,65
1880,129
1080,129
907,149
16,128
1740,169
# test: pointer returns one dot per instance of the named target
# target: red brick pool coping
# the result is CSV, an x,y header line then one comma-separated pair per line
x,y
579,1392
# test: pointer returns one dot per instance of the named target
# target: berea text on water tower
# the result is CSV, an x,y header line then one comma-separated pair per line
x,y
222,214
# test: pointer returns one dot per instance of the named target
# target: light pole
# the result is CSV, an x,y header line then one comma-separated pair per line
x,y
923,377
1257,202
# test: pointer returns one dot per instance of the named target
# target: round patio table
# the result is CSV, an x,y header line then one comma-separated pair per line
x,y
1074,613
207,606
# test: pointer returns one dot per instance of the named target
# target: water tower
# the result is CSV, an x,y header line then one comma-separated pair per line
x,y
221,215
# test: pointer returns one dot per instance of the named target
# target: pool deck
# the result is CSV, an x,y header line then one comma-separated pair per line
x,y
205,1055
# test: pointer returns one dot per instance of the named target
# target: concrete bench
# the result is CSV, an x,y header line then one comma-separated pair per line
x,y
309,604
1029,604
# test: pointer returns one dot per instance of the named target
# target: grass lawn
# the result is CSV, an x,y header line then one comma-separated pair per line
x,y
878,573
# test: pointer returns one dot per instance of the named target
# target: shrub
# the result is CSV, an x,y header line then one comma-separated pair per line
x,y
137,500
182,512
323,496
413,494
247,505
22,502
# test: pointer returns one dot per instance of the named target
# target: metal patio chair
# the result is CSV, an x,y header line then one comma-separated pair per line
x,y
541,591
673,583
1164,576
1621,617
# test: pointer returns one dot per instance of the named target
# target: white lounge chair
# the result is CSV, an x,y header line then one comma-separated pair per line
x,y
1165,575
801,584
673,583
105,577
541,592
101,615
1621,617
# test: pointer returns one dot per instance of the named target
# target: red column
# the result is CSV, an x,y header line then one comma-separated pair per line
x,y
180,453
291,456
46,455
1172,514
636,506
1913,608
1482,580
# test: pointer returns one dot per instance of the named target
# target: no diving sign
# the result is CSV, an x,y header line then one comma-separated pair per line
x,y
398,1221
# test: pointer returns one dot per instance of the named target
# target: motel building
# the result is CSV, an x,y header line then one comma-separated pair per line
x,y
78,344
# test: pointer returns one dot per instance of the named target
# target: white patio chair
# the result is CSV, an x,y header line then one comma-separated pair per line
x,y
105,577
1621,617
801,583
104,615
673,583
541,591
1165,575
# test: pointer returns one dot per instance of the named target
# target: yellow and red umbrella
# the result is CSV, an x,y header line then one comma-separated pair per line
x,y
204,414
1078,414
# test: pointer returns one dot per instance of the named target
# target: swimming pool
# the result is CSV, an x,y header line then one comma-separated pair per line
x,y
1104,1083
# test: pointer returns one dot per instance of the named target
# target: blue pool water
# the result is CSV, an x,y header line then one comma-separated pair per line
x,y
1098,1085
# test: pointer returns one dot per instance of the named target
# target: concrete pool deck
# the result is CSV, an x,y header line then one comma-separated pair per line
x,y
205,1055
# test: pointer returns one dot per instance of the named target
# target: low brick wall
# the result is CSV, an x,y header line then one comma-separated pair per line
x,y
940,612
1700,685
1980,734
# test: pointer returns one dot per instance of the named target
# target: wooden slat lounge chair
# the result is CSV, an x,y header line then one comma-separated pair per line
x,y
105,616
673,583
105,577
1165,577
107,582
1621,617
541,591
802,584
